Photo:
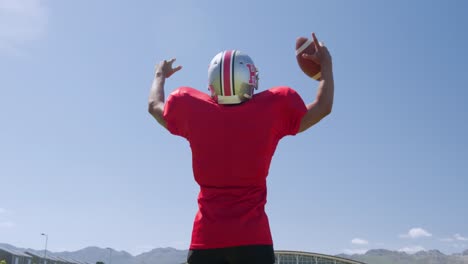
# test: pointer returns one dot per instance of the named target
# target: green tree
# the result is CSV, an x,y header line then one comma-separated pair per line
x,y
3,262
99,262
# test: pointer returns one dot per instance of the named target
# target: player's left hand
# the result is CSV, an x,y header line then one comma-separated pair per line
x,y
165,69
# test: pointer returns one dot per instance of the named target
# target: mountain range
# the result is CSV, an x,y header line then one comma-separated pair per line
x,y
94,254
383,256
175,256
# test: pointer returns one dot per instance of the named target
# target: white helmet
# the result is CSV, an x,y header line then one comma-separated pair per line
x,y
232,77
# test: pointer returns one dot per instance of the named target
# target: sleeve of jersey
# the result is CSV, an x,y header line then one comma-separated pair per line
x,y
176,114
293,109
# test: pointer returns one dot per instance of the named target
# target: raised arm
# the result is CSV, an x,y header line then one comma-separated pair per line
x,y
156,98
322,106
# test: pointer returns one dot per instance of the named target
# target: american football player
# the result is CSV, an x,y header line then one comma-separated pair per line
x,y
233,133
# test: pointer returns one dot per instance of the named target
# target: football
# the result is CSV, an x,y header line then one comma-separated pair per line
x,y
310,68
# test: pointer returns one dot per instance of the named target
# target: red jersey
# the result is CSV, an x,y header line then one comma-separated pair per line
x,y
232,147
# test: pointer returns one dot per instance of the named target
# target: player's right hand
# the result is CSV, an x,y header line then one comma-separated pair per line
x,y
165,69
322,55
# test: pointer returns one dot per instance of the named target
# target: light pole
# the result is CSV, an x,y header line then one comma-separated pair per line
x,y
110,255
45,249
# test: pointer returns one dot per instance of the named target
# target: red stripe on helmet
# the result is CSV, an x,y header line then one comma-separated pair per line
x,y
227,58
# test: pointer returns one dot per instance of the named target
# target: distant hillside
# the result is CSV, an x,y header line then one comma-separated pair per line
x,y
176,256
383,256
162,256
94,254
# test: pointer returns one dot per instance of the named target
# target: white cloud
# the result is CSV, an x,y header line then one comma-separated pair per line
x,y
459,246
460,238
2,210
355,251
412,249
416,233
456,237
359,241
21,21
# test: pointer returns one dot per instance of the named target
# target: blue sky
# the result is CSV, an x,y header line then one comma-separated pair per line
x,y
83,161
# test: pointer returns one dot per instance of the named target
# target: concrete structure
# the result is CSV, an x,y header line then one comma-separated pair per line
x,y
50,259
12,256
298,257
68,261
36,259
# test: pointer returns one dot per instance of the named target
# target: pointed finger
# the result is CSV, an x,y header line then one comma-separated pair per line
x,y
316,42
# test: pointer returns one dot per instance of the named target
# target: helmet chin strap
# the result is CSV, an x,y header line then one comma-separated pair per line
x,y
233,99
